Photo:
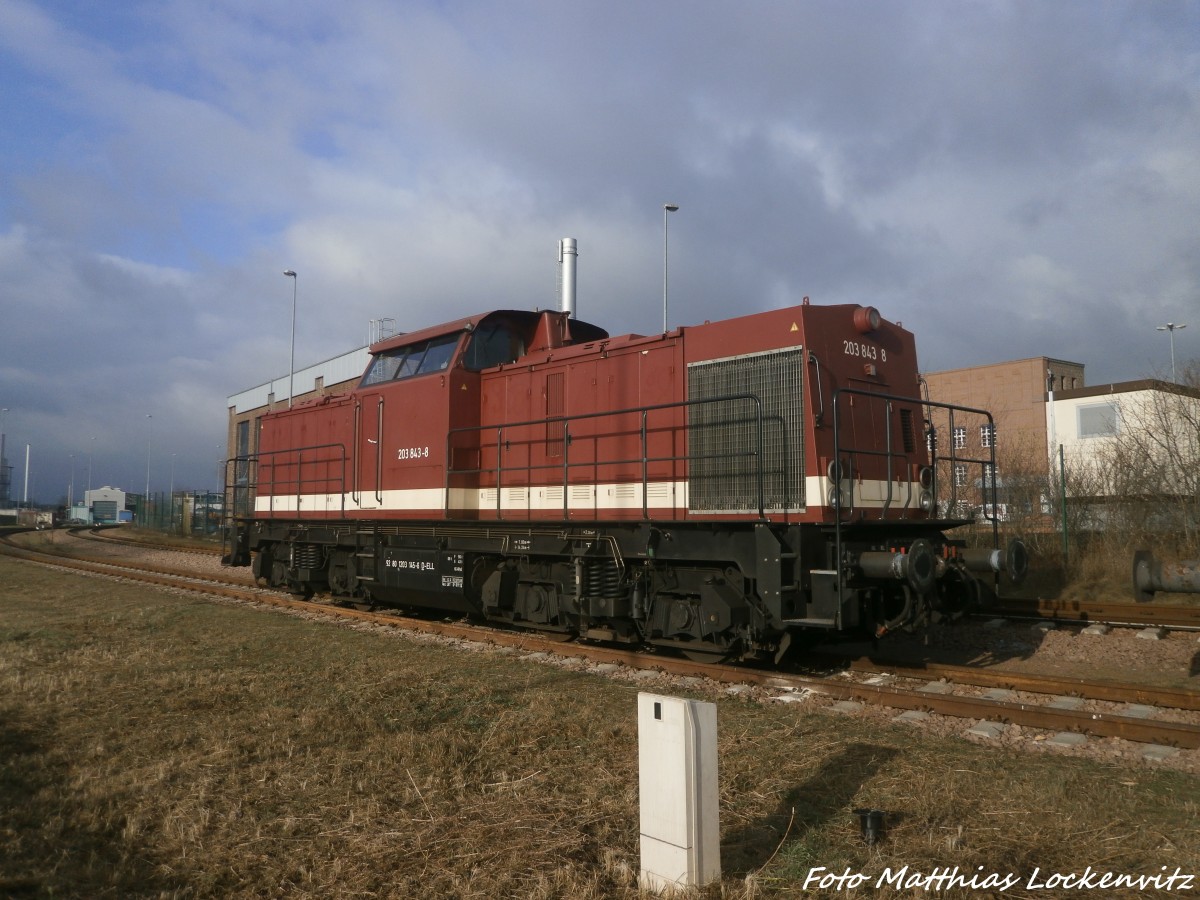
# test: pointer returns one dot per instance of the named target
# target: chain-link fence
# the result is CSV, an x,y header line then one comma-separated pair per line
x,y
192,513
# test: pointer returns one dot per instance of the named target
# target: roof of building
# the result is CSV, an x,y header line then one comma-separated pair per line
x,y
1041,360
1127,387
331,371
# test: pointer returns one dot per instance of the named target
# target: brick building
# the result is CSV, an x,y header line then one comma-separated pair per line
x,y
1016,393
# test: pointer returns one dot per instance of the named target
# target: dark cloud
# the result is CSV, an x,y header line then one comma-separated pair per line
x,y
1008,179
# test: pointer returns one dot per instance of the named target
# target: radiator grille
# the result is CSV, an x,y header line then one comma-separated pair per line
x,y
723,434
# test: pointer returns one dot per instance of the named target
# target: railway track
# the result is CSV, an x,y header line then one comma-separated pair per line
x,y
1026,682
1077,613
1113,723
110,535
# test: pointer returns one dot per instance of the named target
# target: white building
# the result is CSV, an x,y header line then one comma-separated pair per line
x,y
1138,441
107,505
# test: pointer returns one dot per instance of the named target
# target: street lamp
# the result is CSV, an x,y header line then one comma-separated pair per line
x,y
290,273
667,208
146,496
1171,328
4,487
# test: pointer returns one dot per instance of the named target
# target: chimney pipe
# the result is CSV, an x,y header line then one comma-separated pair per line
x,y
568,252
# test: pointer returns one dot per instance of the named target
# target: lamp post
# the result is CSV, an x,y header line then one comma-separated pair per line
x,y
4,485
1171,328
146,495
667,208
290,273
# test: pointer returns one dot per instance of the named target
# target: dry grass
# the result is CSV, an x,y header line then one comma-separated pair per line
x,y
153,745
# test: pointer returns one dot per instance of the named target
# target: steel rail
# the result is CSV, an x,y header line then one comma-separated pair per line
x,y
1088,689
1178,734
100,535
1075,611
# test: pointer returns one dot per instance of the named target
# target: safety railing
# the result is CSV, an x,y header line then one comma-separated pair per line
x,y
290,475
555,437
899,461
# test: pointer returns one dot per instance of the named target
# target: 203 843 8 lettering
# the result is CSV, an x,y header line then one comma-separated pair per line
x,y
864,350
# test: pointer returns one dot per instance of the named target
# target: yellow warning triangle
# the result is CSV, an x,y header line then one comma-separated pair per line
x,y
795,327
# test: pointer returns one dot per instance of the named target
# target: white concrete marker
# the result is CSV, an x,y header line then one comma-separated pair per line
x,y
677,763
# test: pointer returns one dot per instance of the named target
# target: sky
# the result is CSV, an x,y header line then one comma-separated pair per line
x,y
1007,179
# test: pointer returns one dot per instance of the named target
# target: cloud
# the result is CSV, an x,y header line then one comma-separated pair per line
x,y
1010,180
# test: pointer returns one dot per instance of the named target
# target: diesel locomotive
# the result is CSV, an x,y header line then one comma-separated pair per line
x,y
721,489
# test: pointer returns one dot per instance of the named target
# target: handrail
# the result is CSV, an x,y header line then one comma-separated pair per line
x,y
355,460
989,484
645,459
254,463
379,453
819,416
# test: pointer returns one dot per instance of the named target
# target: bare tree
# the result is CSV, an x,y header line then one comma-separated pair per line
x,y
1145,480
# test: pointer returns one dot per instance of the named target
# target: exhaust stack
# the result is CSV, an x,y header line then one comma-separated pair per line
x,y
568,252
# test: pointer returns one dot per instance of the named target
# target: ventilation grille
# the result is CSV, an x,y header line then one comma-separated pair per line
x,y
723,435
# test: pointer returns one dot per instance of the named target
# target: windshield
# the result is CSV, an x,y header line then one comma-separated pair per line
x,y
414,359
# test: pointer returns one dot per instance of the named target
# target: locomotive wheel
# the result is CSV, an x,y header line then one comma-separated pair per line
x,y
281,580
698,652
706,656
299,590
561,637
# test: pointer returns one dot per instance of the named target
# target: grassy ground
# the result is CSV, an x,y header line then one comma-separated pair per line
x,y
157,745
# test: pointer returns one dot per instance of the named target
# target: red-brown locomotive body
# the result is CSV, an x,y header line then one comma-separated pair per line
x,y
716,488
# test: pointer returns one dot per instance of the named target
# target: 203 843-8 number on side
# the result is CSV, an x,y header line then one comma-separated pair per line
x,y
864,350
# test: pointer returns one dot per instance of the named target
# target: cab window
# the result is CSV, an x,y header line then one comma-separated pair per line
x,y
415,359
493,344
437,355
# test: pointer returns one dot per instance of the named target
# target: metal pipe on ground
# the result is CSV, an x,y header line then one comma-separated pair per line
x,y
1151,576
